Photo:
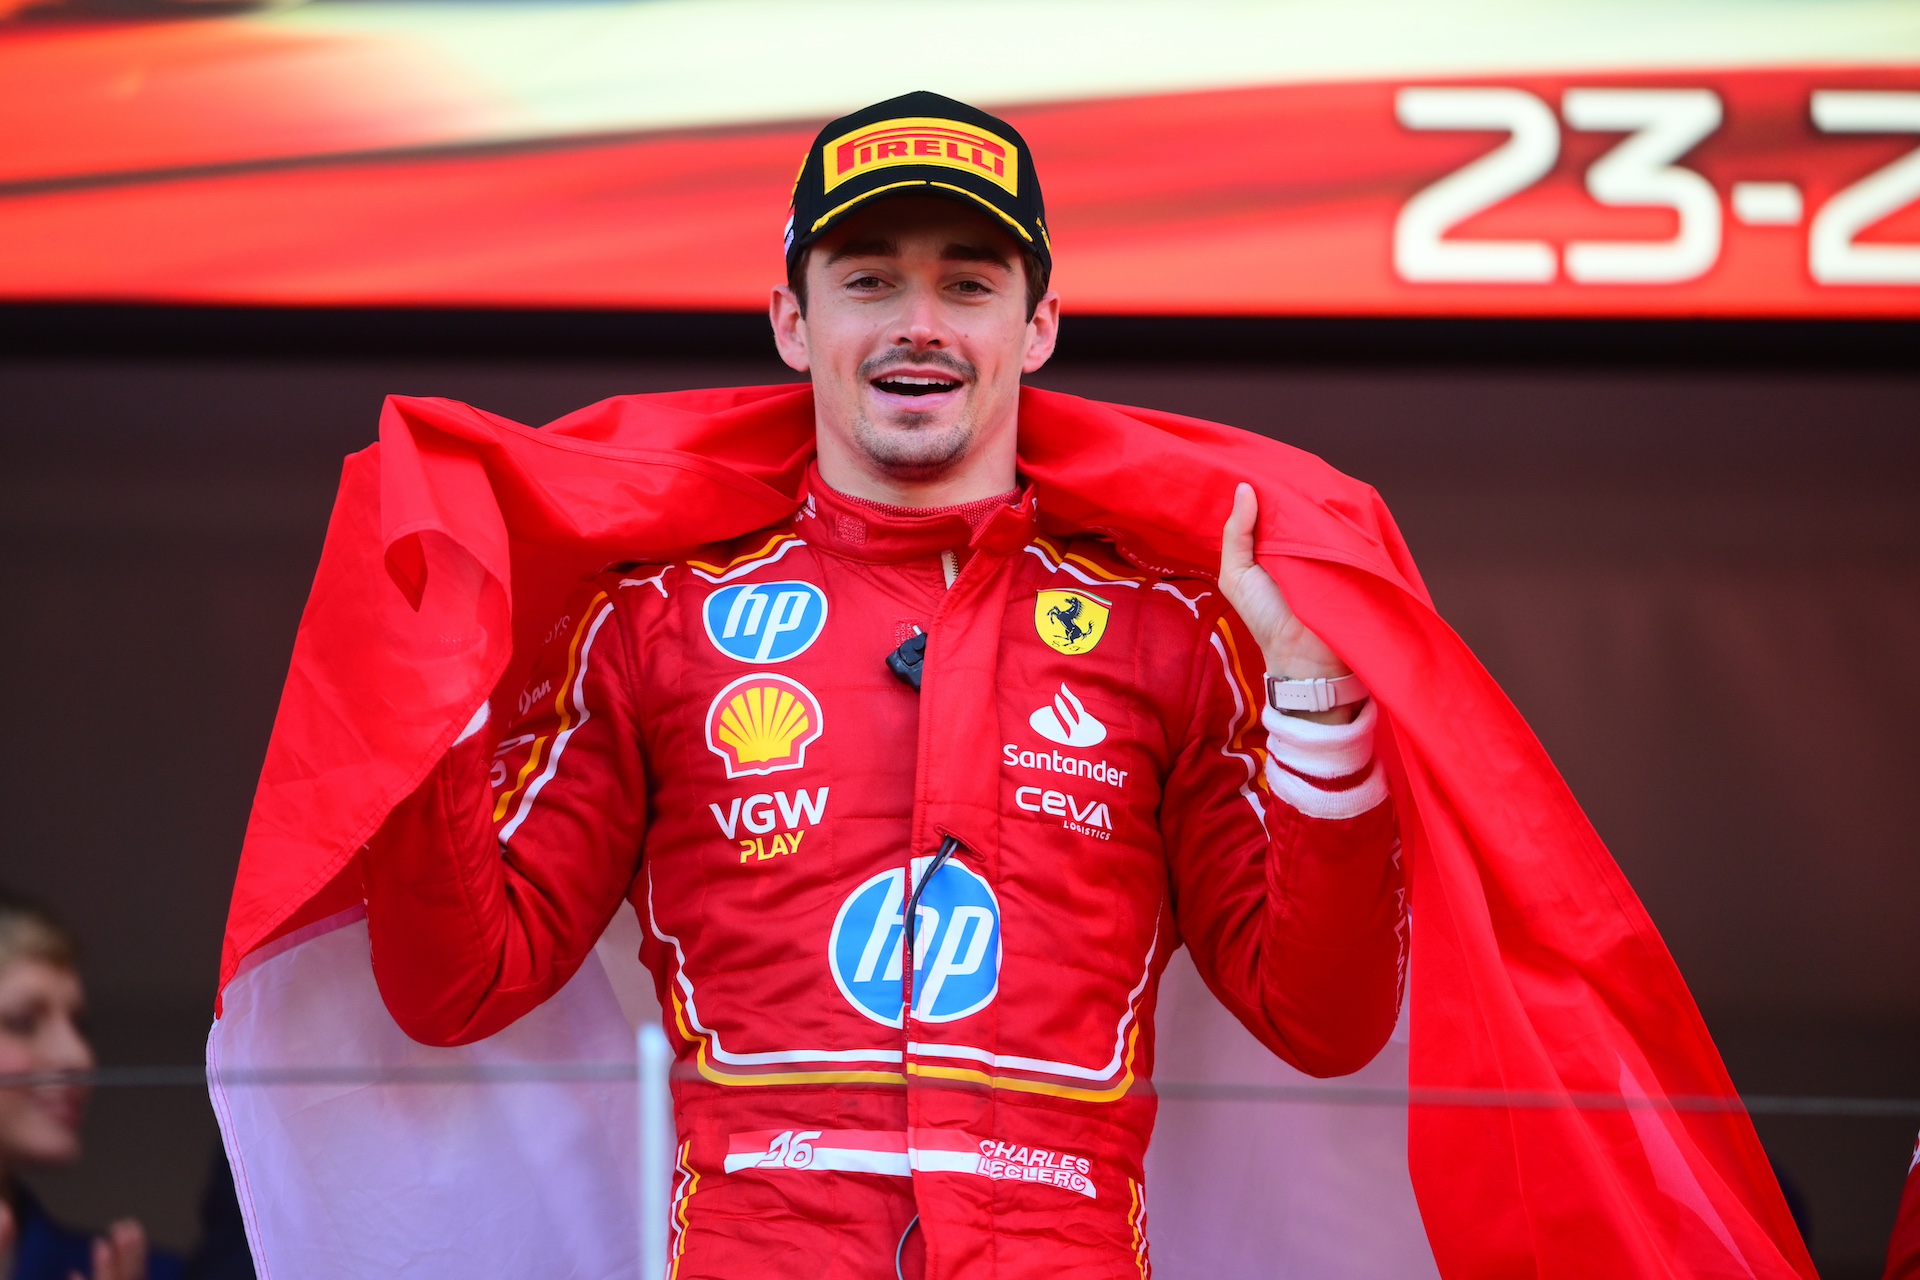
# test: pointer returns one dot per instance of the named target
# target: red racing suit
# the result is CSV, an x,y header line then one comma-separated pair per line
x,y
720,742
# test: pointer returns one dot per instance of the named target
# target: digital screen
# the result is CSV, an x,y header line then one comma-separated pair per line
x,y
1373,157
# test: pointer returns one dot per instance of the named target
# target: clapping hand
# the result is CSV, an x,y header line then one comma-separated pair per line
x,y
121,1254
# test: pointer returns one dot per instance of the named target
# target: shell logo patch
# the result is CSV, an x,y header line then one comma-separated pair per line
x,y
1070,621
763,723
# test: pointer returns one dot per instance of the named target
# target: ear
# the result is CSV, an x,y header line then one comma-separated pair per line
x,y
789,328
1042,332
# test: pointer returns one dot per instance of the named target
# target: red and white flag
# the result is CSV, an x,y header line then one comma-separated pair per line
x,y
1548,1031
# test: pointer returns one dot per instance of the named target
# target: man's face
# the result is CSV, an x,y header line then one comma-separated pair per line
x,y
916,334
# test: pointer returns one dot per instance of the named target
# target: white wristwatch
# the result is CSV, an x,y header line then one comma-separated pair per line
x,y
1314,695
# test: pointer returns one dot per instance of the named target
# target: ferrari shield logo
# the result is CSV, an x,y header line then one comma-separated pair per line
x,y
1070,621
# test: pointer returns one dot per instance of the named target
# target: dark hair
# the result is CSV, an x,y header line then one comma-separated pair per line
x,y
1031,267
28,931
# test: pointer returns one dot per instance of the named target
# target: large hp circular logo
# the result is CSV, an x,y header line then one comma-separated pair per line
x,y
765,621
956,946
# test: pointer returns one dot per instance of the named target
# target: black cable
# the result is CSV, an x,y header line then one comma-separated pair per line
x,y
910,918
948,847
900,1250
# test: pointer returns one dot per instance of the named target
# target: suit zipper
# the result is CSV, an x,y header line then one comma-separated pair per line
x,y
950,569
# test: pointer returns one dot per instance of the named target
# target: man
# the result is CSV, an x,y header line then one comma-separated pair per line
x,y
763,745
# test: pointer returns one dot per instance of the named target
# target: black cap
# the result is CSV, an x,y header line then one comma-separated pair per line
x,y
919,144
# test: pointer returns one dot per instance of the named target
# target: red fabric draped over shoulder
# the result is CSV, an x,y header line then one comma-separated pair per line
x,y
449,538
1537,976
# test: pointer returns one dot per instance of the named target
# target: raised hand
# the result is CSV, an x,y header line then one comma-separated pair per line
x,y
1292,652
121,1254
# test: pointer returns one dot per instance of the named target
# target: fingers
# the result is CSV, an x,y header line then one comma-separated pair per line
x,y
1236,539
121,1254
130,1240
1243,582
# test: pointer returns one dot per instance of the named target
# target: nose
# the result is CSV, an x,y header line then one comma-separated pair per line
x,y
920,326
66,1047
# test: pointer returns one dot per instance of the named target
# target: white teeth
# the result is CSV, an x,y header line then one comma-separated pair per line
x,y
911,381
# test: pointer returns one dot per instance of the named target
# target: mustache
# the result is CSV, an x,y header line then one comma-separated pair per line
x,y
879,365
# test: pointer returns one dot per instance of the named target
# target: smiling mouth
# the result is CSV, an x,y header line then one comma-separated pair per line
x,y
903,384
65,1105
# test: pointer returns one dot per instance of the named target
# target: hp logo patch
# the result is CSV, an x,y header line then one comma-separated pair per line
x,y
765,621
956,946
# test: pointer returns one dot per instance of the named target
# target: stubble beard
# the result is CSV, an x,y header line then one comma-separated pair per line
x,y
914,450
913,447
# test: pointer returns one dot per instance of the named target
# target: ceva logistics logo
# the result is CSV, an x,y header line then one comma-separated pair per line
x,y
956,946
763,723
765,621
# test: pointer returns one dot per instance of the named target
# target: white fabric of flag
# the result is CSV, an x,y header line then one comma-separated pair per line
x,y
523,1177
506,1178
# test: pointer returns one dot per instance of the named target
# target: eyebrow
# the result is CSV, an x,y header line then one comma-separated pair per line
x,y
954,252
864,249
957,252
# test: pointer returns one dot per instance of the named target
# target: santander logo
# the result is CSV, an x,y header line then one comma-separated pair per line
x,y
1068,722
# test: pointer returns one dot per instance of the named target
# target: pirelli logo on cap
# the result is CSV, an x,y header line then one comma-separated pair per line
x,y
923,140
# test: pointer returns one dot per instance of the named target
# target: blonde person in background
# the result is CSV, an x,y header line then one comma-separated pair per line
x,y
41,1005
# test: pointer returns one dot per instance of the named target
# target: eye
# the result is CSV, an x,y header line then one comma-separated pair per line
x,y
22,1023
866,283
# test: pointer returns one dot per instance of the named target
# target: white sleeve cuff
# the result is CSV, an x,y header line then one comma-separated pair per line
x,y
1295,790
1323,751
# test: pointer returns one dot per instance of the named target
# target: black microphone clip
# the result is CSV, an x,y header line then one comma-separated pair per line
x,y
906,661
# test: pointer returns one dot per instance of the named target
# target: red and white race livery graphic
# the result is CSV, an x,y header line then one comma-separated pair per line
x,y
1388,157
901,1153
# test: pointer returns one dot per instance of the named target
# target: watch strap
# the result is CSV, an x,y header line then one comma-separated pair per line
x,y
1319,694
